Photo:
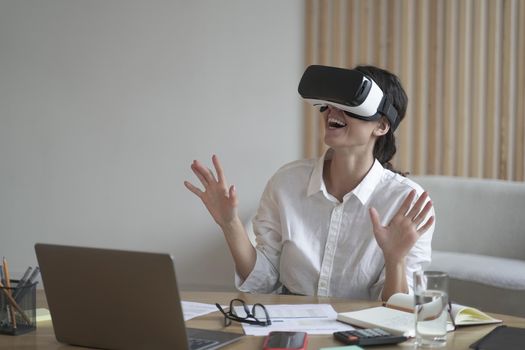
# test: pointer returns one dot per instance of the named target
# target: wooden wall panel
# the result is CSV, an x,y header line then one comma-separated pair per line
x,y
519,145
462,66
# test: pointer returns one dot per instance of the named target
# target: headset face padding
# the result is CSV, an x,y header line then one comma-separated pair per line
x,y
349,90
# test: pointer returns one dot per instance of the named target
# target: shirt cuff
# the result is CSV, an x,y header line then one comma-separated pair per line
x,y
263,278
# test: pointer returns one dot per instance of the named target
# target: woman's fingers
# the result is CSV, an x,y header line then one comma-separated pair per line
x,y
218,169
204,171
422,214
416,209
374,217
426,226
405,206
193,189
197,170
233,196
205,175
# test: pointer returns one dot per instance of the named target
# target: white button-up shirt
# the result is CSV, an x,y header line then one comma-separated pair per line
x,y
313,244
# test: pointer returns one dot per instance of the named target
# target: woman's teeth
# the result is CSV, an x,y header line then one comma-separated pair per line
x,y
336,123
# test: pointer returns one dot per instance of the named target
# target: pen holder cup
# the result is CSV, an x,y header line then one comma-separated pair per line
x,y
18,308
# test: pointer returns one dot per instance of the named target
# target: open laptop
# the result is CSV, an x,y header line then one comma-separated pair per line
x,y
115,299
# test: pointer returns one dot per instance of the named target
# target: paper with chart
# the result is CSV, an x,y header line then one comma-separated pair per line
x,y
310,318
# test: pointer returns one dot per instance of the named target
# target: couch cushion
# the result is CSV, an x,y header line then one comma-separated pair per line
x,y
487,270
477,216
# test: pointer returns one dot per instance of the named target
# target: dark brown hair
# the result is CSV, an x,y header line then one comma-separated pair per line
x,y
385,146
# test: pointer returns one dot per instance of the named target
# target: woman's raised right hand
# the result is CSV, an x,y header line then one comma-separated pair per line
x,y
220,200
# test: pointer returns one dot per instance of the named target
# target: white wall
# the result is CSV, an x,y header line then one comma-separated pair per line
x,y
104,105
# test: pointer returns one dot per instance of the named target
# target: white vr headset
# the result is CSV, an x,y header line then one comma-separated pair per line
x,y
356,94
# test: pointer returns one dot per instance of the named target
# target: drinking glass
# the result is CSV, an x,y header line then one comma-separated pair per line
x,y
431,301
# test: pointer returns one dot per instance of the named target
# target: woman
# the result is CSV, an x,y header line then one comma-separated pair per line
x,y
344,225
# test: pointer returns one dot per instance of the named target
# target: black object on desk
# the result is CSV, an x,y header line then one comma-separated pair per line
x,y
368,336
502,337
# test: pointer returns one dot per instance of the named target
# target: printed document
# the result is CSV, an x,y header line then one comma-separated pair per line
x,y
192,309
310,318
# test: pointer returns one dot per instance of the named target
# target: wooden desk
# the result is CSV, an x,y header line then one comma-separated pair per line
x,y
43,338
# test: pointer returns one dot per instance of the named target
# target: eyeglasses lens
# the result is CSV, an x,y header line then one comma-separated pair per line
x,y
239,308
259,312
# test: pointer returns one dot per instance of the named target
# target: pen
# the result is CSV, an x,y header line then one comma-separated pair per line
x,y
28,282
8,290
33,276
2,277
22,282
2,281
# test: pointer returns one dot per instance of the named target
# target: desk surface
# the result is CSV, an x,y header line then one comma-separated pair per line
x,y
43,338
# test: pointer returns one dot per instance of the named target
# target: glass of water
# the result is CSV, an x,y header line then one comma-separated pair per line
x,y
431,301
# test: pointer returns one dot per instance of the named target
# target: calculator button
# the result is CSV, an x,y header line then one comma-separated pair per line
x,y
376,333
381,332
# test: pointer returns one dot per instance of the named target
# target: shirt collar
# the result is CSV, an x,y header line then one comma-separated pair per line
x,y
363,191
316,183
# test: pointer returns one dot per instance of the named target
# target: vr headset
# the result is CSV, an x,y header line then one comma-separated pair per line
x,y
349,90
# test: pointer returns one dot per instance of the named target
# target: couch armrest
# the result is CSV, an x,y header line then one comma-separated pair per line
x,y
477,216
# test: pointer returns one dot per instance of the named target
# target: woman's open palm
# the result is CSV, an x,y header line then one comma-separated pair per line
x,y
404,229
220,200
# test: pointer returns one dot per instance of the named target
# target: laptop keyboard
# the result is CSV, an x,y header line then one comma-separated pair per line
x,y
197,344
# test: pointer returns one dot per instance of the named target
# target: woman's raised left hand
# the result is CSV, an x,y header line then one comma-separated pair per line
x,y
404,229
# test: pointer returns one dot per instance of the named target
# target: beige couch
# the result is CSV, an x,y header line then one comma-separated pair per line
x,y
480,240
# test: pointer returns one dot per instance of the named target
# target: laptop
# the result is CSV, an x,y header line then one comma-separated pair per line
x,y
116,299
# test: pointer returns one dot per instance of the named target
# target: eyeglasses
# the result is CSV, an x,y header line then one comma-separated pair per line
x,y
240,312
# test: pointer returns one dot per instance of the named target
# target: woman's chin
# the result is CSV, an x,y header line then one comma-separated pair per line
x,y
334,137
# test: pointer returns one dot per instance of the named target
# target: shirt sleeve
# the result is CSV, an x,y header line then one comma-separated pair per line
x,y
264,277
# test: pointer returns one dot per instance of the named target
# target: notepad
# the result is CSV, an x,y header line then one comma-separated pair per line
x,y
42,315
397,316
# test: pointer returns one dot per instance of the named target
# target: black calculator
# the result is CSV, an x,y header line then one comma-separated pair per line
x,y
368,336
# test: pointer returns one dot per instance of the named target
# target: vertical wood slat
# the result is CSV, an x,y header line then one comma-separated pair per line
x,y
506,91
309,124
519,155
461,64
420,111
381,33
477,92
429,157
324,51
337,49
351,28
463,107
364,32
435,73
491,103
406,76
449,87
392,9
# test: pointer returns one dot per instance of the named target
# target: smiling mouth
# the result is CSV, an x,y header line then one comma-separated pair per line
x,y
336,123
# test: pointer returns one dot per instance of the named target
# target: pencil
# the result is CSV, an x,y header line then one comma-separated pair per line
x,y
15,305
8,291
